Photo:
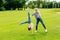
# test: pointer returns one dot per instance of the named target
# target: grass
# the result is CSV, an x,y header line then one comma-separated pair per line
x,y
11,30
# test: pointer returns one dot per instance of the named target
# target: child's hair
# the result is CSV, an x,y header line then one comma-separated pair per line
x,y
29,28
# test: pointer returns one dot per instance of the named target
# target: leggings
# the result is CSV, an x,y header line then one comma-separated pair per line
x,y
28,21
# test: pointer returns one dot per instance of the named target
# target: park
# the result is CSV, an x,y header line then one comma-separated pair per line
x,y
10,28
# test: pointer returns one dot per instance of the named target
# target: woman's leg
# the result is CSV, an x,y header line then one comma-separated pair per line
x,y
42,23
37,22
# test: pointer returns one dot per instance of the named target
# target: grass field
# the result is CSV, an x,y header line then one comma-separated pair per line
x,y
11,30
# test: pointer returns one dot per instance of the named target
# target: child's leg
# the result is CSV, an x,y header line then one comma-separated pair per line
x,y
24,22
29,19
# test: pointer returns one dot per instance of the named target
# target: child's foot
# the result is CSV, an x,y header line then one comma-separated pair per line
x,y
46,30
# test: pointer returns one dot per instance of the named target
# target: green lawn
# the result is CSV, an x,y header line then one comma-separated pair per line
x,y
11,30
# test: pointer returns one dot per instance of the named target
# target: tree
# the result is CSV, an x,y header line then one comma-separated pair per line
x,y
13,4
1,5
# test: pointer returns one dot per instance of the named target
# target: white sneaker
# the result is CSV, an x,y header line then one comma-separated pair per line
x,y
36,31
46,30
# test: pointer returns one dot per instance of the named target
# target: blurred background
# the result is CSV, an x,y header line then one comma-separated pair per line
x,y
12,12
23,4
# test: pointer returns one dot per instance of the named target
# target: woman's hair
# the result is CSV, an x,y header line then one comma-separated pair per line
x,y
36,9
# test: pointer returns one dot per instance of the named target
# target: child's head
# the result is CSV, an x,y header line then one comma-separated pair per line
x,y
30,26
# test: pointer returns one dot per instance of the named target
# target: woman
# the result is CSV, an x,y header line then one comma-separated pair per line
x,y
38,19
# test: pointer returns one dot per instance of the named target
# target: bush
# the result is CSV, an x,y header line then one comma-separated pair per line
x,y
2,8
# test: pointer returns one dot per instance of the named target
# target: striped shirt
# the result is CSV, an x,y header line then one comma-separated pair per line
x,y
36,14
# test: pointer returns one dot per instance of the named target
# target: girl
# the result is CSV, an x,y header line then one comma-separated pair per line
x,y
30,28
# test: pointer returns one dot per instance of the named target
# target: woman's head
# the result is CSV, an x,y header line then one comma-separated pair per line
x,y
36,9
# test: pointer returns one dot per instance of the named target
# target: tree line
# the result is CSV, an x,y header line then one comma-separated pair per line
x,y
19,4
11,4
